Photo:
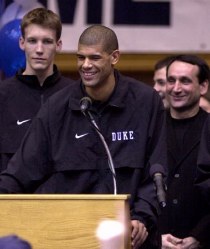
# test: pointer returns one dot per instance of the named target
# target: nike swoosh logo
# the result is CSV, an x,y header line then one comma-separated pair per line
x,y
79,136
22,122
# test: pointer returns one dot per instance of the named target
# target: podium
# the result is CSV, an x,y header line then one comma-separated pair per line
x,y
62,221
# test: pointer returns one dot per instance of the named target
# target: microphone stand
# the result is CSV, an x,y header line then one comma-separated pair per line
x,y
110,160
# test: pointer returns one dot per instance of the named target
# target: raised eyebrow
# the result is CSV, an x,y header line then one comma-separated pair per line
x,y
182,78
48,39
95,56
170,77
44,39
79,55
185,78
161,80
89,56
30,38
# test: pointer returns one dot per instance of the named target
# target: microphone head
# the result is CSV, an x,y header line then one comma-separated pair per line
x,y
156,168
85,103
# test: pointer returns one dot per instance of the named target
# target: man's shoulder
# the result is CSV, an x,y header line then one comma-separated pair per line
x,y
138,95
66,80
136,84
70,91
8,81
138,91
61,101
8,85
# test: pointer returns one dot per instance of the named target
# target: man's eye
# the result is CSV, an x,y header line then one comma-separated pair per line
x,y
161,82
48,42
186,81
171,80
80,57
32,41
95,58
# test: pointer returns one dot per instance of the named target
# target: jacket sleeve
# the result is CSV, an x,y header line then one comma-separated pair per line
x,y
201,231
30,164
146,206
156,154
202,181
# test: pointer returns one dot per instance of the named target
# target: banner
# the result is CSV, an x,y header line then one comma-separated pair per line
x,y
141,26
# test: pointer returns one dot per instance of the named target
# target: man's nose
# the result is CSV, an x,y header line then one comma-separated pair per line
x,y
39,47
87,63
177,86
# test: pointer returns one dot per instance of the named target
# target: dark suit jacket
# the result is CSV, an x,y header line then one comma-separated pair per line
x,y
186,213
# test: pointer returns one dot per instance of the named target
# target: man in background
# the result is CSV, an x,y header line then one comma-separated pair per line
x,y
22,95
159,78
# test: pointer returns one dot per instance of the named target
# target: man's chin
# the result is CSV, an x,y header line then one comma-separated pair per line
x,y
88,83
39,68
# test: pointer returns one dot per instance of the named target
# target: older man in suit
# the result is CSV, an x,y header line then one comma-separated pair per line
x,y
185,219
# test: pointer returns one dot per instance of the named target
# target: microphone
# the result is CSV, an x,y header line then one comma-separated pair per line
x,y
85,104
157,172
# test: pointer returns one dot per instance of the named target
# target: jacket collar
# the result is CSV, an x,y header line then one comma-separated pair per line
x,y
33,81
116,100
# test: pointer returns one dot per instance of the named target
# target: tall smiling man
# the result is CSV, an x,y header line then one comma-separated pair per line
x,y
62,152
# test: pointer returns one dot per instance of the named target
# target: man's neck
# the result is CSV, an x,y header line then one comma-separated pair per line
x,y
102,92
40,74
182,114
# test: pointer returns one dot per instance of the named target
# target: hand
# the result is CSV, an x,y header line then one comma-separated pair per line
x,y
171,242
190,243
139,233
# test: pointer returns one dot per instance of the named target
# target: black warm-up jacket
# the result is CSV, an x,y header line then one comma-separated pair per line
x,y
62,153
20,99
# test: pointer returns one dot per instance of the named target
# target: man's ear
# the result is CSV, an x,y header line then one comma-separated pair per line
x,y
204,87
22,43
59,45
115,56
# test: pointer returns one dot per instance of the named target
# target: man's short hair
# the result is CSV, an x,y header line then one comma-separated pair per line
x,y
204,71
43,17
99,34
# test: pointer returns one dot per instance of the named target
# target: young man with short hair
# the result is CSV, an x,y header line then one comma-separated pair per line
x,y
22,95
